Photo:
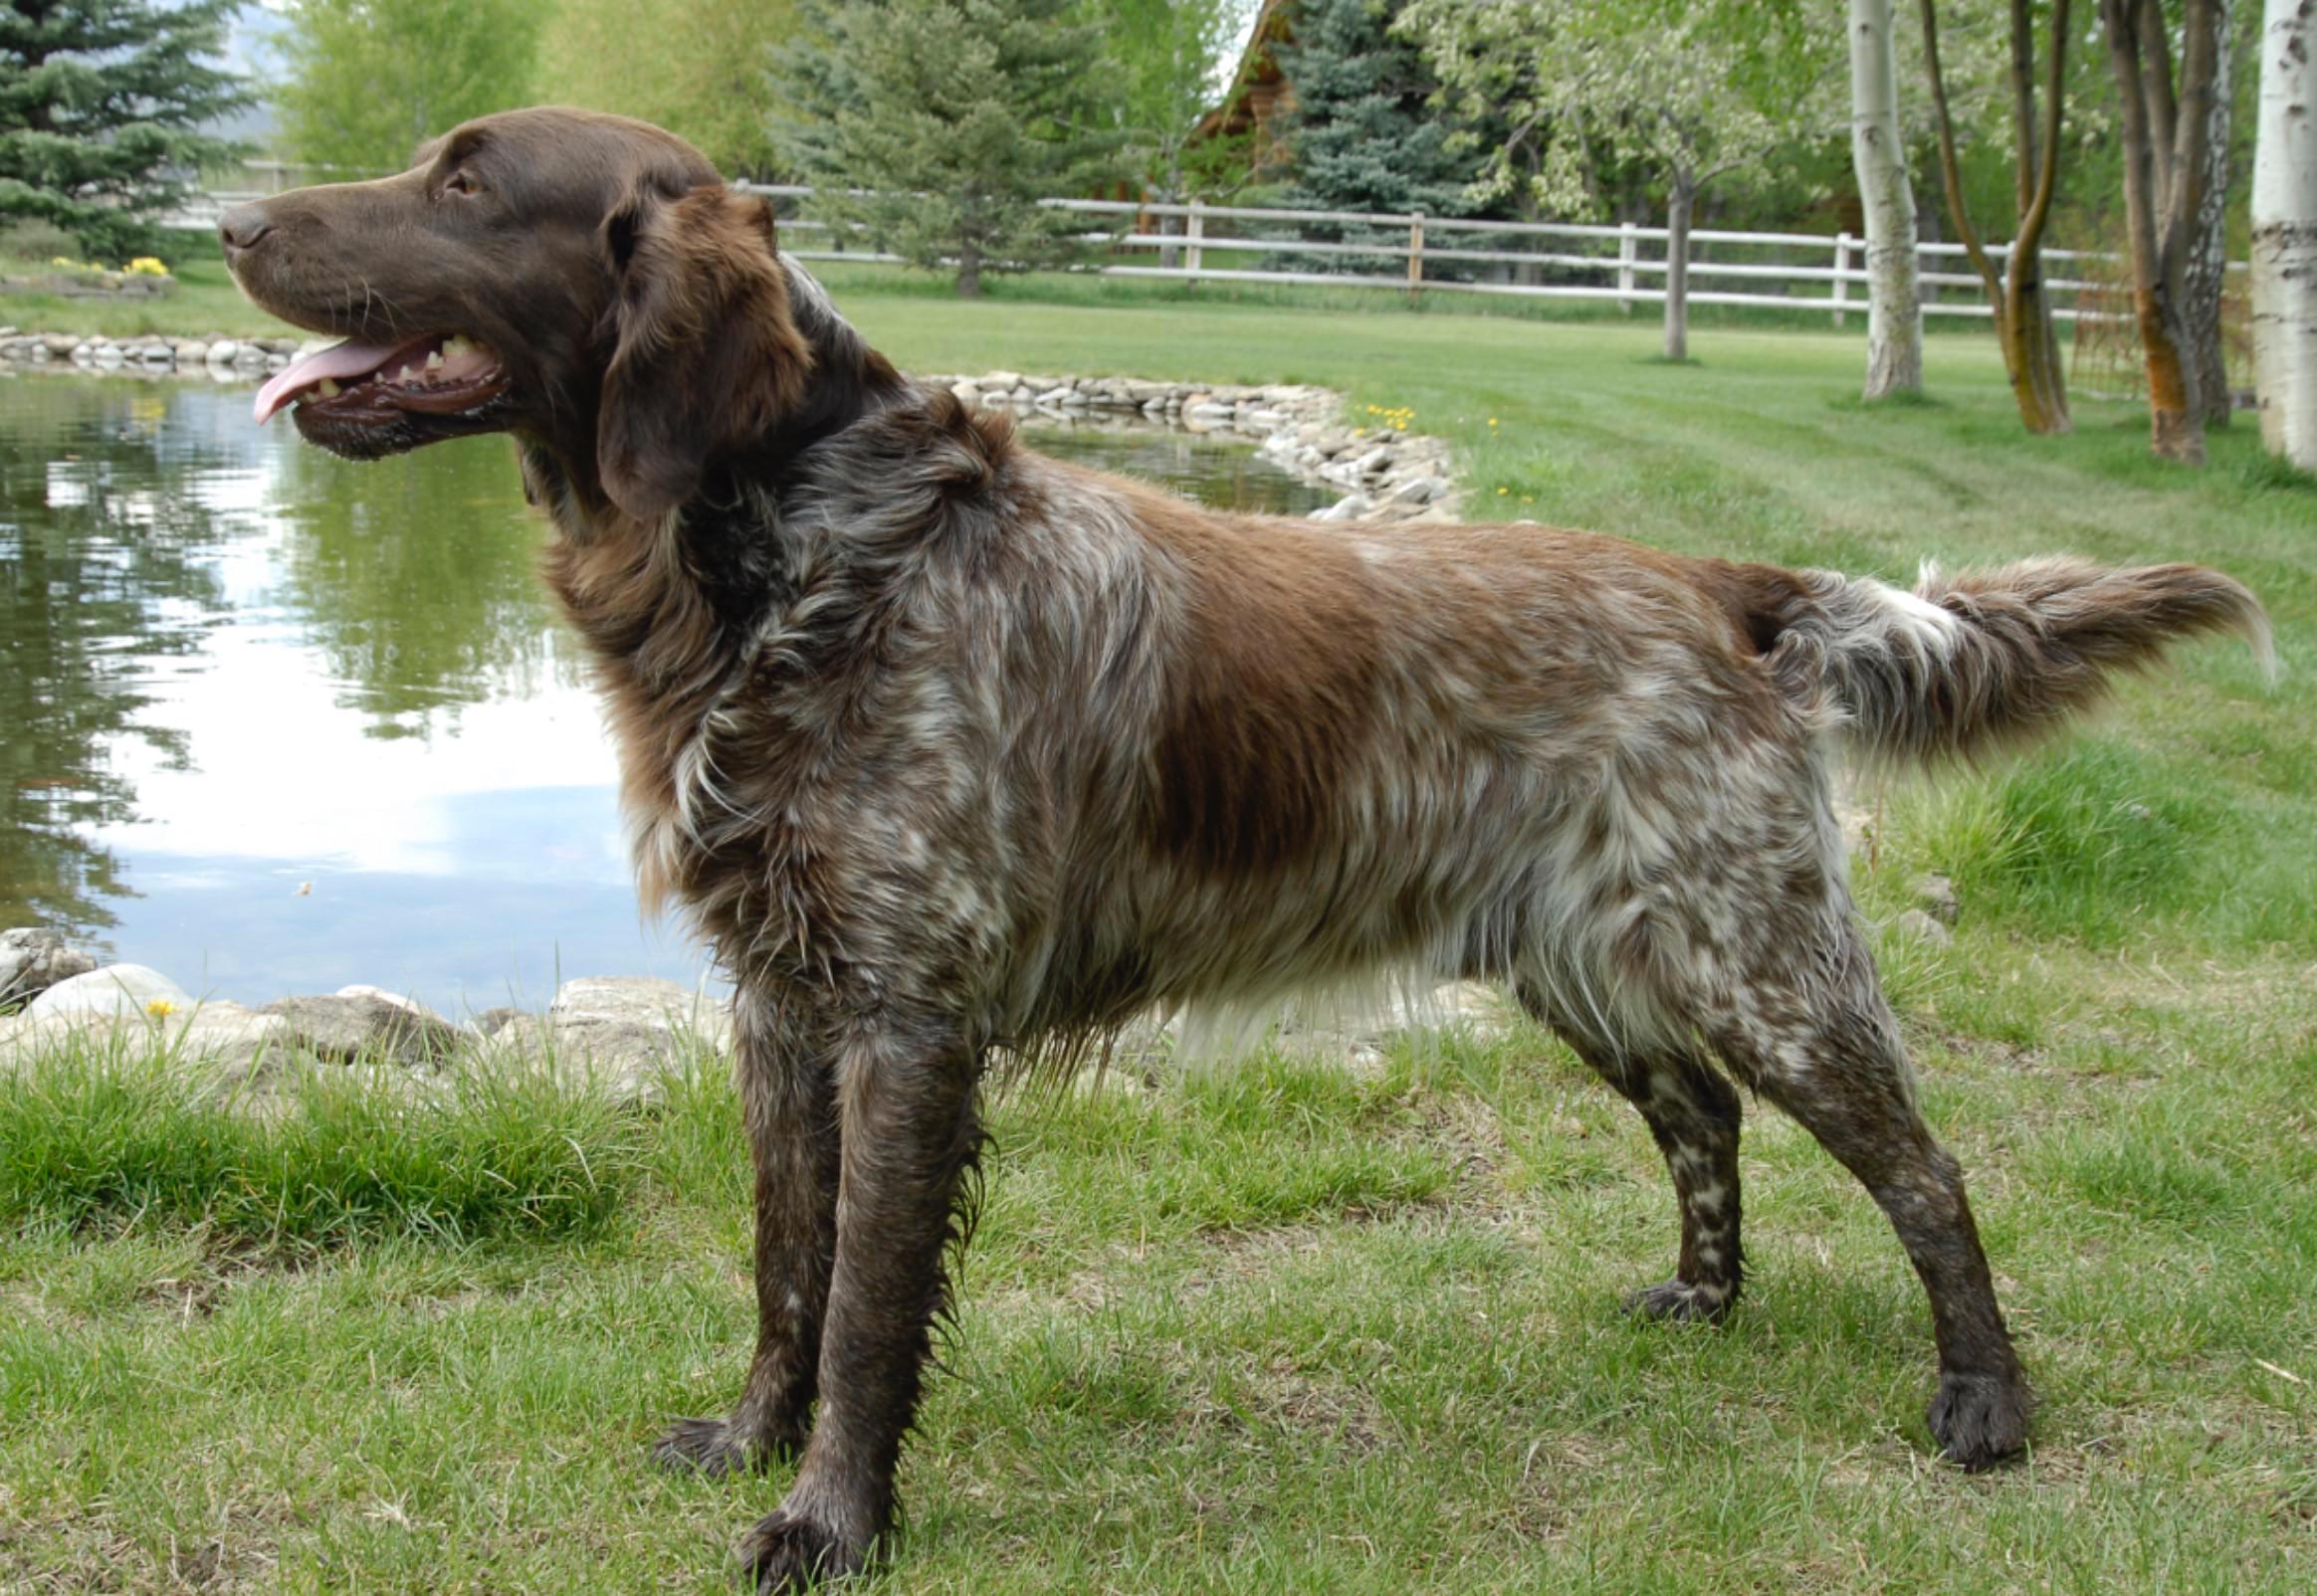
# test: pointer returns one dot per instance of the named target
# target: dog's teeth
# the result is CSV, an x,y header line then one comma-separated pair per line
x,y
433,362
328,387
406,375
456,345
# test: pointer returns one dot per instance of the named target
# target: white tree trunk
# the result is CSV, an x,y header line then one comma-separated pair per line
x,y
2284,232
1894,304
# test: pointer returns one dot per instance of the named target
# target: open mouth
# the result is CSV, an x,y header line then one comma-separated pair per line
x,y
354,383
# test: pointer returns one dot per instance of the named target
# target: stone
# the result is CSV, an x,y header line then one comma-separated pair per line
x,y
1418,490
1054,398
623,1032
112,989
640,1000
191,351
345,1028
1935,896
33,959
966,392
1918,924
1002,381
493,1021
222,352
1349,507
230,1041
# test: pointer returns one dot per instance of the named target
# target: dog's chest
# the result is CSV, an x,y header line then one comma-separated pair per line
x,y
819,812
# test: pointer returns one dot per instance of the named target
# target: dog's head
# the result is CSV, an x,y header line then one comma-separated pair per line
x,y
582,280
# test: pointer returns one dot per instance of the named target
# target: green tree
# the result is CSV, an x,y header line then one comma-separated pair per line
x,y
701,69
937,125
1164,59
1691,89
370,80
1364,134
103,103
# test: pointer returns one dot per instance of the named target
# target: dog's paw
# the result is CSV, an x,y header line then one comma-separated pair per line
x,y
1979,1419
1680,1300
713,1446
790,1552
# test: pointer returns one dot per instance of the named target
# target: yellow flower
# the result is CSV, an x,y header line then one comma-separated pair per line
x,y
147,266
1502,492
61,259
160,1008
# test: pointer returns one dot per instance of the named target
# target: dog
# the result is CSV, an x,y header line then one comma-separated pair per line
x,y
956,753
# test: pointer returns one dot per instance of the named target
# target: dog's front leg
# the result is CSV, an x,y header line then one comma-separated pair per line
x,y
788,1101
910,1134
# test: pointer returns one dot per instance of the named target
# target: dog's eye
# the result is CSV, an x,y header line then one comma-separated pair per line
x,y
458,183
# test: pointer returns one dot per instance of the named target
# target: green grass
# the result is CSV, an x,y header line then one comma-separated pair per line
x,y
204,302
1305,1329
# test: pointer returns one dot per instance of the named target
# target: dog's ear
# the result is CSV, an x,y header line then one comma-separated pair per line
x,y
705,359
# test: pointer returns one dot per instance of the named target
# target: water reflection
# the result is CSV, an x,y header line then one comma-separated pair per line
x,y
106,581
273,721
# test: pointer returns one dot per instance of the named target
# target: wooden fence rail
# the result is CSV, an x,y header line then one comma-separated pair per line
x,y
1418,254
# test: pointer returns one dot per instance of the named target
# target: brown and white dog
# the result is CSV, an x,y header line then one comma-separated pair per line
x,y
952,750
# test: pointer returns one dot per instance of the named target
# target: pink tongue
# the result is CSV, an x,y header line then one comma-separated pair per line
x,y
348,359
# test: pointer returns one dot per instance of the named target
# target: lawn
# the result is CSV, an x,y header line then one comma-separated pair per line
x,y
204,302
1306,1328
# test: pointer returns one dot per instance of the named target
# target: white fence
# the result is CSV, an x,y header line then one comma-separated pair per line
x,y
1625,265
1418,254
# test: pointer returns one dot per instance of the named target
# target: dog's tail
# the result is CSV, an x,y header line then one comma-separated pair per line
x,y
1969,663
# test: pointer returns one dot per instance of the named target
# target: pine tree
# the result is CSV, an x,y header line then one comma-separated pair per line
x,y
103,103
1362,135
948,121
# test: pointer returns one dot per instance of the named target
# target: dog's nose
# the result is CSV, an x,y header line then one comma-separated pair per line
x,y
243,226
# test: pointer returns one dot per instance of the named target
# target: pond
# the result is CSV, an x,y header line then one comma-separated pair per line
x,y
274,723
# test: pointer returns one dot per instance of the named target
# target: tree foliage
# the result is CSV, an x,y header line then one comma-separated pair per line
x,y
1165,59
103,107
1364,135
371,80
937,125
1692,91
701,69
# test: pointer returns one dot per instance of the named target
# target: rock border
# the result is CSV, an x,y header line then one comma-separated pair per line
x,y
220,358
1384,474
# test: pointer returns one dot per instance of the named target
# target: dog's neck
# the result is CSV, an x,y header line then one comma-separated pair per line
x,y
709,571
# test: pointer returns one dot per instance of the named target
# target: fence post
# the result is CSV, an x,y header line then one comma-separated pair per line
x,y
1195,230
1625,259
1843,242
1415,255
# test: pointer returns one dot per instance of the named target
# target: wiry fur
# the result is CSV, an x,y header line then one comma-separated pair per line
x,y
1990,659
955,752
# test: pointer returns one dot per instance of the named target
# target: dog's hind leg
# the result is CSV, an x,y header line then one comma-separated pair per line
x,y
788,1104
1693,1113
1814,1036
